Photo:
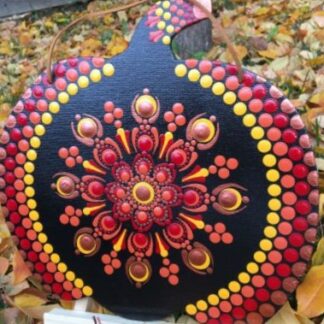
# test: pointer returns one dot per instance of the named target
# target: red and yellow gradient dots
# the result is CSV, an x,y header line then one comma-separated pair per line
x,y
71,156
170,271
111,262
223,166
218,234
175,118
113,114
71,216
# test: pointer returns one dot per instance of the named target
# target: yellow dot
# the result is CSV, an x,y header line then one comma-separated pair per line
x,y
40,130
63,97
273,175
218,88
274,204
270,232
62,267
167,16
269,160
35,142
194,75
38,227
244,277
108,70
42,238
170,29
95,75
47,118
159,12
87,291
234,286
28,179
83,82
259,257
249,120
191,309
206,81
266,245
229,98
31,203
202,305
30,192
32,155
78,283
166,40
166,4
257,132
223,293
274,190
55,258
48,248
252,268
181,70
33,215
54,107
213,299
161,25
70,276
240,109
273,218
264,146
72,89
29,167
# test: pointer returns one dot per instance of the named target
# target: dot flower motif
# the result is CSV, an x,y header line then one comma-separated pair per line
x,y
155,202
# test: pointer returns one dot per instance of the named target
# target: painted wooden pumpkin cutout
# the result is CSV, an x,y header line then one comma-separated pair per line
x,y
159,186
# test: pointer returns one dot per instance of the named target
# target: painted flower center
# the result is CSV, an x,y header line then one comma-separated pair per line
x,y
143,192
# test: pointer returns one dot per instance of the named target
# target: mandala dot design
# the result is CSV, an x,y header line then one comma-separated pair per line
x,y
156,202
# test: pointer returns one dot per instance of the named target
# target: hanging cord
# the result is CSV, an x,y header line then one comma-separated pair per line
x,y
215,23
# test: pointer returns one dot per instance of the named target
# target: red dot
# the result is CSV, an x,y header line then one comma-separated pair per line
x,y
300,171
190,197
96,188
20,231
302,188
10,191
108,222
12,205
109,157
178,157
283,270
10,163
48,278
15,135
289,136
303,207
262,294
12,149
290,255
57,288
273,283
38,91
250,305
259,91
9,177
248,79
296,239
66,296
30,105
271,105
300,224
226,319
22,119
140,239
25,244
39,267
15,218
60,69
32,256
281,120
73,62
238,313
231,69
145,143
296,153
174,229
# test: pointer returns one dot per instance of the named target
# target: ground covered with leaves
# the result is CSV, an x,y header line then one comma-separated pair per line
x,y
280,40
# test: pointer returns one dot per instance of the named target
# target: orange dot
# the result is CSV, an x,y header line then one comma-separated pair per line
x,y
118,113
79,159
23,145
212,169
174,268
63,153
21,197
118,124
172,127
169,116
288,213
289,198
78,212
225,306
173,280
220,228
51,267
74,221
109,269
67,285
109,118
31,235
20,158
285,228
164,272
178,108
27,223
215,238
69,210
180,120
285,165
59,276
19,172
247,291
267,269
274,134
236,299
23,210
287,181
106,259
220,160
166,262
232,164
213,312
76,293
19,185
113,254
37,246
70,162
280,149
223,173
258,281
74,151
275,257
43,257
116,263
227,238
64,219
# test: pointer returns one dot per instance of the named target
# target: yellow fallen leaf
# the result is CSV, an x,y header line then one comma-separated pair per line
x,y
25,300
116,46
240,50
280,63
5,48
319,18
269,53
25,38
262,11
287,315
20,270
318,257
310,294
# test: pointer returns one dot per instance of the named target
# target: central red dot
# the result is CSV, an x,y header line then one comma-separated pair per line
x,y
109,157
178,157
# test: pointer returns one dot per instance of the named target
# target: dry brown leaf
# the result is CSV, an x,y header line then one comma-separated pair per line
x,y
319,18
4,265
20,270
310,294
